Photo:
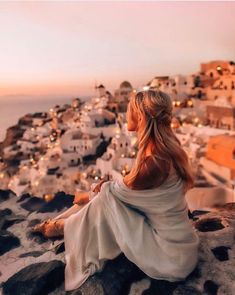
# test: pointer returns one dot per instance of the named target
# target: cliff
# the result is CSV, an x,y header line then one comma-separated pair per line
x,y
31,264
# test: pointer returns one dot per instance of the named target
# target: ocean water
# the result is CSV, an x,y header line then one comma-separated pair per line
x,y
12,108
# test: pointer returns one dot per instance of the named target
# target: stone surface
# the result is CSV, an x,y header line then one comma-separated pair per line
x,y
8,218
36,279
32,253
23,198
33,204
5,195
8,241
209,224
210,287
221,253
214,273
60,201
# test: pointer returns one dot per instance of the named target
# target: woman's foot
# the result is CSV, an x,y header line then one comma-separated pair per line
x,y
50,228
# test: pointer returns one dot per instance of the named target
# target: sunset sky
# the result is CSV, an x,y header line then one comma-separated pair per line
x,y
64,48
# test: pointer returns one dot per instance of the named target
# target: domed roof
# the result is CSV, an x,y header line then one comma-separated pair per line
x,y
125,84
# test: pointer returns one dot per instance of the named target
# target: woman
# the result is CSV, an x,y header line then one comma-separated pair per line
x,y
145,215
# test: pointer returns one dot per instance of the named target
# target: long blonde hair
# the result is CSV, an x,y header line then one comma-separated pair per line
x,y
155,108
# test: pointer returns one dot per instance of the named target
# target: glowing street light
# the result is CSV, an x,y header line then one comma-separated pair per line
x,y
145,88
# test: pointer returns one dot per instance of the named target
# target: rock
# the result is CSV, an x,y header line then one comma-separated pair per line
x,y
59,248
8,241
221,253
23,198
5,212
33,204
5,195
33,222
210,287
227,206
186,290
199,212
161,287
36,237
36,279
8,218
32,253
190,215
209,224
216,230
59,202
115,278
26,120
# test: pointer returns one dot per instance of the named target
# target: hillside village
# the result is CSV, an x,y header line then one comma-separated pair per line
x,y
50,156
71,146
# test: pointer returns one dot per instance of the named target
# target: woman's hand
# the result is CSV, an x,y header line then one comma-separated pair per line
x,y
98,186
81,198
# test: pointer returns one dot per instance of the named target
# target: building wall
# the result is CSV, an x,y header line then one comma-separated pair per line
x,y
213,167
221,153
221,117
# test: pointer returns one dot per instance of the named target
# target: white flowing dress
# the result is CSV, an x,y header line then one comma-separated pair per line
x,y
151,227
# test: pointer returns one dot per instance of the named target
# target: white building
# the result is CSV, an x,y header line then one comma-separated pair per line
x,y
84,144
98,121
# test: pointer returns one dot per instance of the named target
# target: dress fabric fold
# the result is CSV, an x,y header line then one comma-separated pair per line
x,y
151,227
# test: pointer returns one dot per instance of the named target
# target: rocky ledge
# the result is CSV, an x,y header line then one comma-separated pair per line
x,y
31,264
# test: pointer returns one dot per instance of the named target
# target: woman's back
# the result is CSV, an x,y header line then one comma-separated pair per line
x,y
149,176
162,199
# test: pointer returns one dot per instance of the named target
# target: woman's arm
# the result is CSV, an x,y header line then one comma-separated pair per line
x,y
83,197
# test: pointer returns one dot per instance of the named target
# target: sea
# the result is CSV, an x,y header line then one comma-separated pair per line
x,y
14,107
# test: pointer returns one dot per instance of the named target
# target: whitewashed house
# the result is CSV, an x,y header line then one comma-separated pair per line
x,y
82,143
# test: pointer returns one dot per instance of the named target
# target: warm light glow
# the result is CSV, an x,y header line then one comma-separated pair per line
x,y
84,174
83,34
145,88
189,103
48,197
178,103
